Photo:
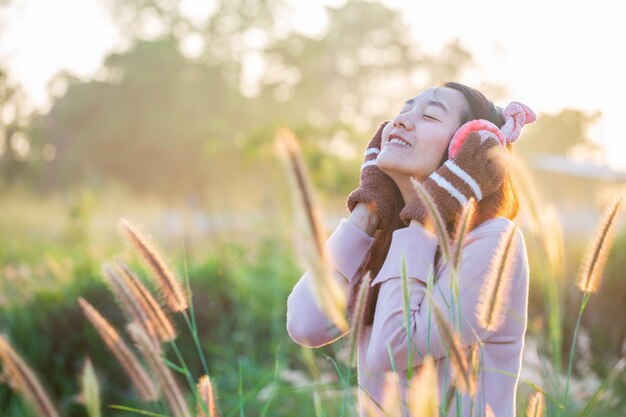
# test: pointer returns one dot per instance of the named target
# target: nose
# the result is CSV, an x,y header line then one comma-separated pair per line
x,y
401,120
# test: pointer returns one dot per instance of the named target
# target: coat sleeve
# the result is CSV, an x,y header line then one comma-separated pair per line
x,y
418,246
307,324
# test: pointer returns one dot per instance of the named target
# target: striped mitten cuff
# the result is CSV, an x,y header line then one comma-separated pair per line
x,y
458,183
370,157
450,188
375,186
474,172
370,180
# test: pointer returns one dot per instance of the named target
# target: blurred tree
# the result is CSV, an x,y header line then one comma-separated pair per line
x,y
144,19
16,147
225,32
360,70
161,121
566,134
146,122
335,88
558,133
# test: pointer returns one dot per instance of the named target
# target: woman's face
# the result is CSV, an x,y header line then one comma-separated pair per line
x,y
414,141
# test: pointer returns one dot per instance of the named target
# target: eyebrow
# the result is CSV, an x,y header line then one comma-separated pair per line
x,y
430,103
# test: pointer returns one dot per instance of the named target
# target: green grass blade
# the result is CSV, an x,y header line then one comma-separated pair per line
x,y
406,304
136,410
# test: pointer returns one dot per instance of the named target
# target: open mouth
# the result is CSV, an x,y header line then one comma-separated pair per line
x,y
393,138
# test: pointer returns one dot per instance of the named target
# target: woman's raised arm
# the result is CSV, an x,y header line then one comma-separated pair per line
x,y
349,247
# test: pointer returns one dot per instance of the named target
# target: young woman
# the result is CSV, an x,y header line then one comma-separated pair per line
x,y
441,138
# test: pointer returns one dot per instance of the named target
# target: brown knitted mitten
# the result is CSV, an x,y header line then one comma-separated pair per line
x,y
375,186
473,172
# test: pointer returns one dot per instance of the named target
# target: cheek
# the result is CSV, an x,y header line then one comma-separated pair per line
x,y
442,148
385,133
435,139
434,149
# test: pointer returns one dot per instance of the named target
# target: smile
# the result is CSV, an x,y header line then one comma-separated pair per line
x,y
398,140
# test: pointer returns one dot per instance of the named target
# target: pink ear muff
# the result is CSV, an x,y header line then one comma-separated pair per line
x,y
515,115
484,128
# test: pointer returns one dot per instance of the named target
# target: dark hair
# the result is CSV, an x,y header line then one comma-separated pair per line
x,y
478,107
503,202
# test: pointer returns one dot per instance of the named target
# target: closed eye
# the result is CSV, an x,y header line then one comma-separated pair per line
x,y
431,117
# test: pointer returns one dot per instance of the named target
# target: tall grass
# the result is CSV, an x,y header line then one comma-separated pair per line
x,y
424,391
451,339
327,292
24,381
129,361
591,271
209,398
494,293
90,390
148,326
172,393
151,328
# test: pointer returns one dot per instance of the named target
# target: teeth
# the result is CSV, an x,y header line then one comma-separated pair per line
x,y
400,142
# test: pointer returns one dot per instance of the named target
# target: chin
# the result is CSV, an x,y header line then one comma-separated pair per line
x,y
398,174
393,168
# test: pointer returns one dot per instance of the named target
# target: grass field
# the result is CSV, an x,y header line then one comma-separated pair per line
x,y
235,273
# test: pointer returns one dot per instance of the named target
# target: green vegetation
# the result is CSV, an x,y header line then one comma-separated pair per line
x,y
182,145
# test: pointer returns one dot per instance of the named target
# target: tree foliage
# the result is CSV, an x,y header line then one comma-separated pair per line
x,y
163,122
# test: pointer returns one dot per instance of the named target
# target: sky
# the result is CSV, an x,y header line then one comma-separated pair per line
x,y
551,54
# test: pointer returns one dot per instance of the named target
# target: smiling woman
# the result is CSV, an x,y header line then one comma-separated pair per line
x,y
423,129
443,138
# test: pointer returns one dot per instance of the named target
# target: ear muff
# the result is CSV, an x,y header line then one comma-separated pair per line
x,y
516,115
484,128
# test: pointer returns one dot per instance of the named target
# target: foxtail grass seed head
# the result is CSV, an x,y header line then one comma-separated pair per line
x,y
90,390
357,318
24,381
424,391
494,293
128,300
553,240
367,404
171,392
138,376
171,288
451,339
121,293
392,398
289,150
540,218
434,213
156,316
474,367
207,394
462,226
598,251
525,186
329,296
535,405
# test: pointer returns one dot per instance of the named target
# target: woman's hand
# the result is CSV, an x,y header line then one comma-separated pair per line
x,y
376,188
364,218
475,171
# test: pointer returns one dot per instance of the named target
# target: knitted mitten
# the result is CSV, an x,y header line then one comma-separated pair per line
x,y
473,172
375,186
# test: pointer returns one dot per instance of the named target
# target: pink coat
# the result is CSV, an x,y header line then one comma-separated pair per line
x,y
501,354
